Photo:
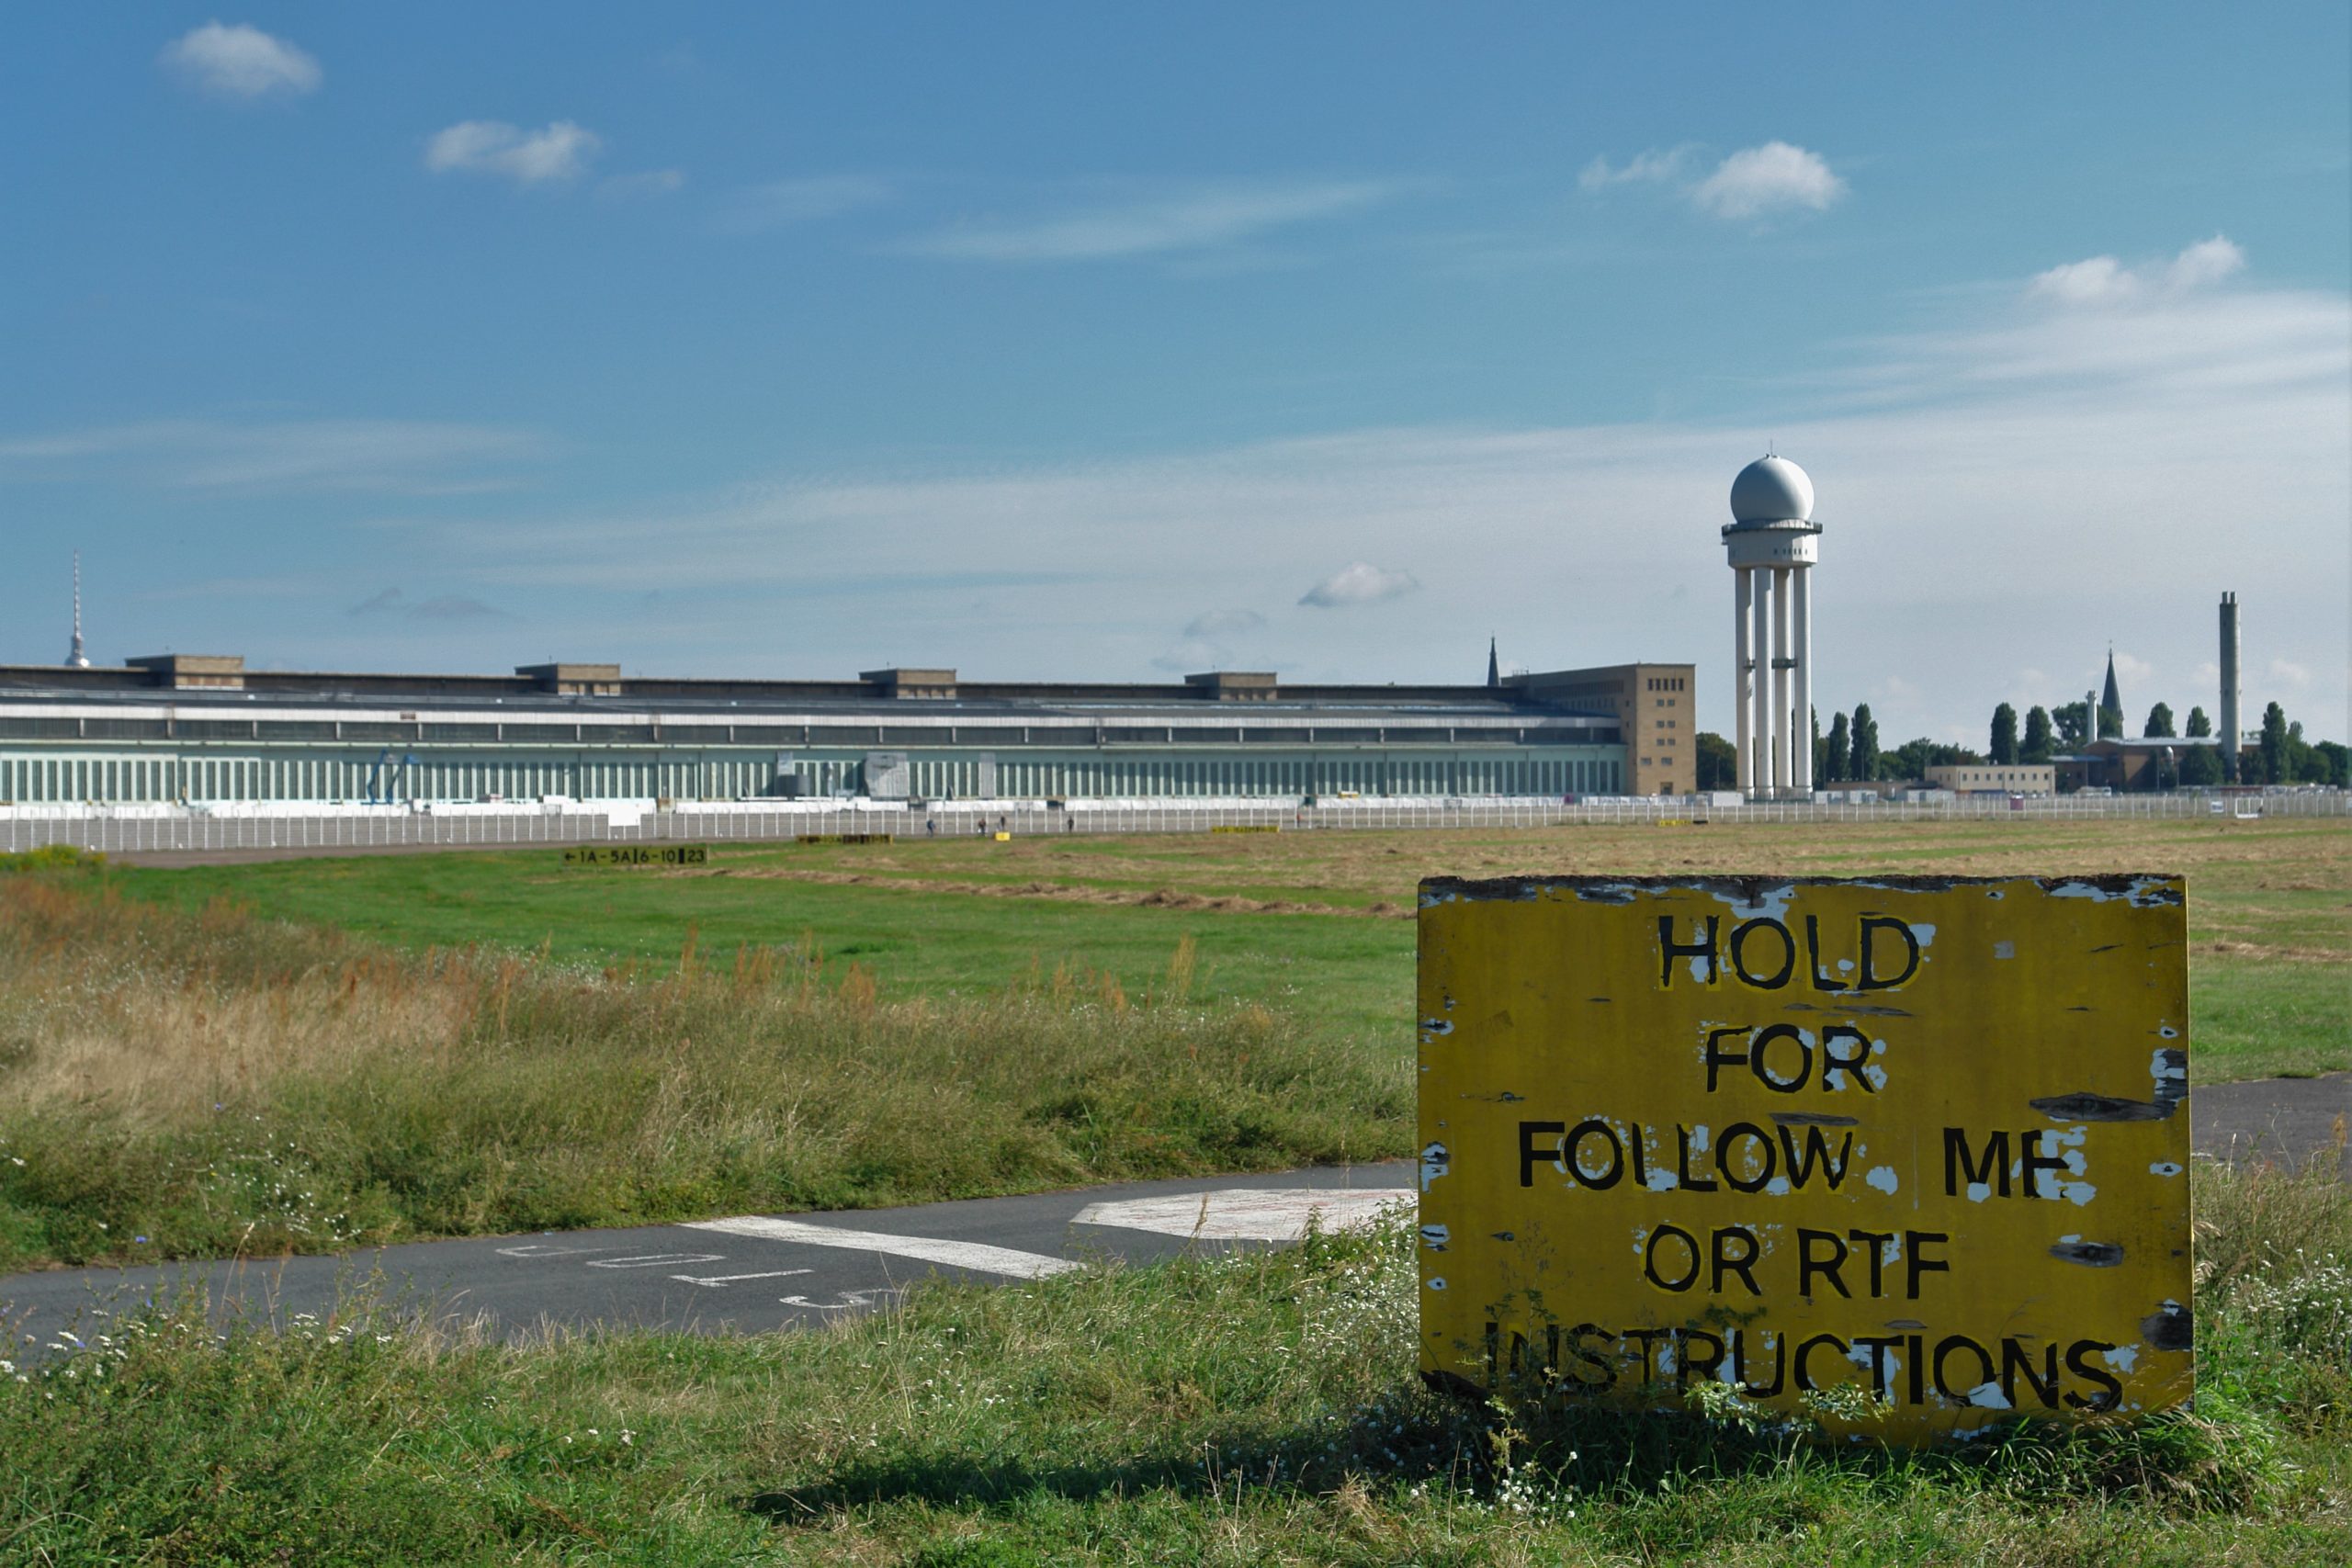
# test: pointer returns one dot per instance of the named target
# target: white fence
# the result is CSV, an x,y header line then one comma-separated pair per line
x,y
146,829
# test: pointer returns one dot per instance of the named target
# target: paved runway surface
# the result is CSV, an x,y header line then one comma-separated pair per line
x,y
753,1272
745,1273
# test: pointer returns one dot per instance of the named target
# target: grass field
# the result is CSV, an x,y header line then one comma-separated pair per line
x,y
295,1055
1237,1411
1316,925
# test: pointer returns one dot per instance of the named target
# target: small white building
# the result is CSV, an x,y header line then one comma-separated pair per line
x,y
2013,778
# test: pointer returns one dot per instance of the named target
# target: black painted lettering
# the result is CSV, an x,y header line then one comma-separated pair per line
x,y
1739,1371
2032,1162
1804,1376
1917,1262
1718,1058
1605,1371
1813,956
1645,1337
2016,1361
1871,978
1692,1360
1836,1061
1915,1356
1879,1346
1764,1074
1730,1167
1762,980
1650,1260
1876,1241
1669,950
2079,1362
1530,1157
1992,1171
1740,1262
1689,1182
1944,1347
1815,1152
1572,1151
1808,1265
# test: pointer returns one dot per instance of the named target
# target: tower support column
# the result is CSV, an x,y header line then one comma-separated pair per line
x,y
1744,671
1781,736
1801,775
1761,693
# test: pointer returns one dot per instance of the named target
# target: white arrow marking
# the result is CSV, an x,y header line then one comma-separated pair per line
x,y
715,1280
655,1260
1248,1213
970,1255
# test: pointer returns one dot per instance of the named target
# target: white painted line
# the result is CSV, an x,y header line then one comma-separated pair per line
x,y
715,1280
970,1255
1250,1214
655,1260
540,1249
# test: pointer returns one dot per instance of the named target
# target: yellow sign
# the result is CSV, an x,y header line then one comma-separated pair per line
x,y
1924,1139
637,854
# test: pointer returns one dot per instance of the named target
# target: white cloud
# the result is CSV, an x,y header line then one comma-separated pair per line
x,y
1225,623
441,609
2287,673
1360,583
401,457
2103,280
2086,451
1656,164
784,202
648,182
239,62
560,151
2131,671
1774,178
1198,218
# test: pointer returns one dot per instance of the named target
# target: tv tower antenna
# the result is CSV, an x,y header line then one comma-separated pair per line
x,y
78,659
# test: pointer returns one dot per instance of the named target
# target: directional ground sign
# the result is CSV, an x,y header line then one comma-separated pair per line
x,y
1924,1138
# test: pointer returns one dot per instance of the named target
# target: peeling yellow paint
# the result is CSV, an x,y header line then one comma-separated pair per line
x,y
1923,1137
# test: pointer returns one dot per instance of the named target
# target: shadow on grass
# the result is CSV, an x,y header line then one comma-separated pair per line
x,y
2227,1459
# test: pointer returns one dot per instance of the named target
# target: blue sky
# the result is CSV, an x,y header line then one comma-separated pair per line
x,y
1117,341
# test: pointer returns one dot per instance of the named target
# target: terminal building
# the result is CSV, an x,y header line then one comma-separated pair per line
x,y
205,730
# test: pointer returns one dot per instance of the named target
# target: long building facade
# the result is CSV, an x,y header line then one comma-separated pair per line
x,y
203,730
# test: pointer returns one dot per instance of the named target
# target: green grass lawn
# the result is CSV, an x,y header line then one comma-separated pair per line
x,y
2270,909
1235,1412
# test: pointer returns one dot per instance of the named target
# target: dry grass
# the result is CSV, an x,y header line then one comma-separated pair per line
x,y
215,1082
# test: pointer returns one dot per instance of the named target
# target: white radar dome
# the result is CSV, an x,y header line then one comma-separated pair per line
x,y
1771,489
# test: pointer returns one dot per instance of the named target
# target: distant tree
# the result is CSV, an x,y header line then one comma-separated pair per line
x,y
2038,740
2337,758
1817,745
1718,761
2200,766
2199,724
2005,735
2159,723
2305,764
1908,760
2274,745
1837,752
1862,751
2073,724
2110,723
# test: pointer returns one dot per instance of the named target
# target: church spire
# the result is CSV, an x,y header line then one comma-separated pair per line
x,y
2110,699
77,658
1494,669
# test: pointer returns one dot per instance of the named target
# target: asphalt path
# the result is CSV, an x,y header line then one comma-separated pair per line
x,y
752,1273
746,1274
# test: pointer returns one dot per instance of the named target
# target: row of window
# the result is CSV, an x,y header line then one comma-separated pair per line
x,y
141,779
393,734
